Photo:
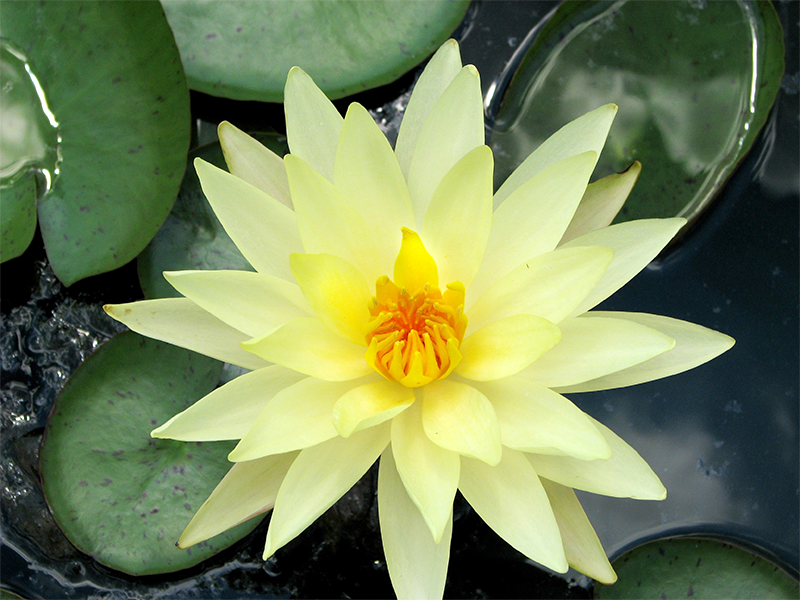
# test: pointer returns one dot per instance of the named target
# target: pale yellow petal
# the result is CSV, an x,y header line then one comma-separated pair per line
x,y
318,478
247,490
512,501
306,345
548,286
417,565
368,175
694,345
581,545
592,347
634,244
181,322
506,347
327,222
312,122
337,292
457,224
254,303
535,419
624,475
428,471
458,417
601,202
586,133
249,159
533,219
370,404
229,411
264,230
453,127
440,71
297,417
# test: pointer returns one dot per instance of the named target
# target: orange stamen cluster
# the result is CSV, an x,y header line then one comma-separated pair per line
x,y
414,337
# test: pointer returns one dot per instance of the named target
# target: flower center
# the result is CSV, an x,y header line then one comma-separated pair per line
x,y
415,330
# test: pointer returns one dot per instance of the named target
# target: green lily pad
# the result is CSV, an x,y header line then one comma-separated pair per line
x,y
28,149
699,568
243,49
694,82
18,206
192,237
119,495
111,75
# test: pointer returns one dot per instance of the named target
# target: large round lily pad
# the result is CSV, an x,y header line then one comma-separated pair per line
x,y
119,495
694,82
111,74
243,49
697,568
192,238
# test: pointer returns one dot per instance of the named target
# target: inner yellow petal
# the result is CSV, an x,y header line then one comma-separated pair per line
x,y
414,268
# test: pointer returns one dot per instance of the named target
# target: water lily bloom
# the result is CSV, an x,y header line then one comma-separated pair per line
x,y
400,310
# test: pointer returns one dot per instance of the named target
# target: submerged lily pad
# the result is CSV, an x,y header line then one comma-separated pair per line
x,y
192,237
119,495
694,82
700,568
111,75
243,49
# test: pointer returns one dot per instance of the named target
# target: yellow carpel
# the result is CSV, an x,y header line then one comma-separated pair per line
x,y
415,330
414,268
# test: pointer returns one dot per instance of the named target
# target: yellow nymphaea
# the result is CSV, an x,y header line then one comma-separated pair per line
x,y
350,365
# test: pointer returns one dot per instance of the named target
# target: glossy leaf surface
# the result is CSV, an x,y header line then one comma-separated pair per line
x,y
694,82
243,49
112,77
119,495
699,568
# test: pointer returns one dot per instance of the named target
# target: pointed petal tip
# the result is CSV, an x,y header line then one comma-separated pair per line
x,y
357,109
655,490
295,71
236,455
494,458
560,566
436,530
116,311
609,579
226,126
269,548
293,161
451,44
343,428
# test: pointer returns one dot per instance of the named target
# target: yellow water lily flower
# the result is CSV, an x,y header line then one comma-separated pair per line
x,y
401,310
